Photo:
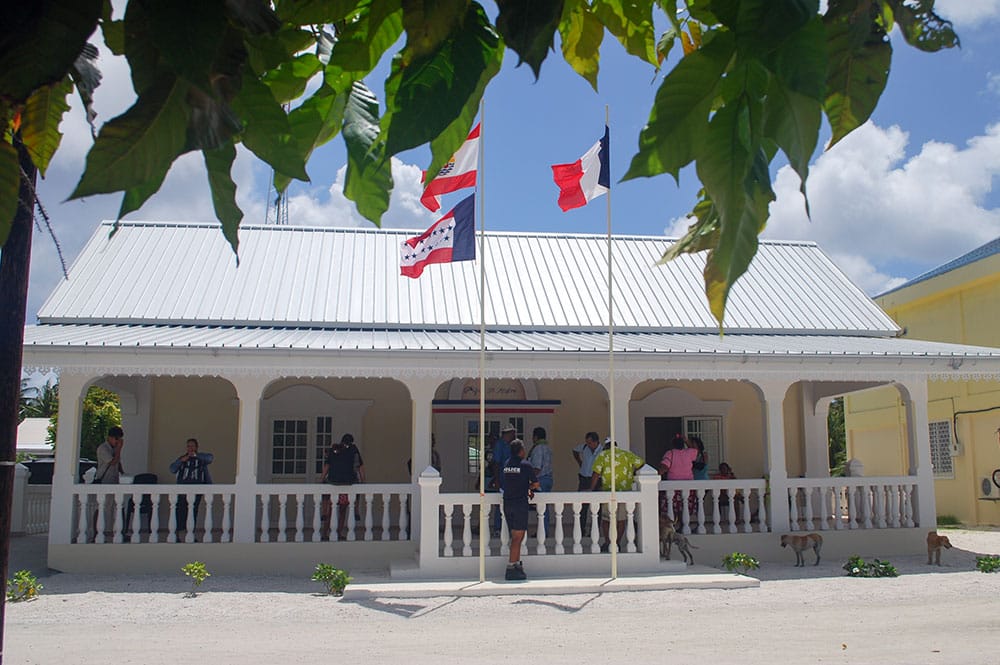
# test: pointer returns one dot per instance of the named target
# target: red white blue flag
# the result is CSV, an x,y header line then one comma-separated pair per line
x,y
451,238
458,173
585,179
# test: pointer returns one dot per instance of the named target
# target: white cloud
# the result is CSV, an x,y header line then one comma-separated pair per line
x,y
874,208
331,208
968,13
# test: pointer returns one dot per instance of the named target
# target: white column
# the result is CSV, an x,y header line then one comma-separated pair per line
x,y
427,513
774,392
649,517
71,390
421,397
17,504
816,431
623,397
919,450
249,390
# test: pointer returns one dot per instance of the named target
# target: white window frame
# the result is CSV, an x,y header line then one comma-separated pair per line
x,y
714,450
942,462
316,440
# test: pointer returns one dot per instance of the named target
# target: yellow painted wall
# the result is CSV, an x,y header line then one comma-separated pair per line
x,y
963,307
584,408
203,408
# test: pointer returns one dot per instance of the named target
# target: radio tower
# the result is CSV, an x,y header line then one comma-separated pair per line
x,y
277,202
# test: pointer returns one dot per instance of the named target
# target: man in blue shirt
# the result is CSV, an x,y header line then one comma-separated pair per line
x,y
584,454
519,483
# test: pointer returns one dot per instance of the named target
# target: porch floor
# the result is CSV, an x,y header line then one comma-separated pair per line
x,y
695,577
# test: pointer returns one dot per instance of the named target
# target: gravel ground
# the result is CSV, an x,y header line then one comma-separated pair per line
x,y
815,614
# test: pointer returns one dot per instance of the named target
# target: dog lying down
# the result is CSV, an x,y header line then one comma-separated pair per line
x,y
934,545
802,543
669,536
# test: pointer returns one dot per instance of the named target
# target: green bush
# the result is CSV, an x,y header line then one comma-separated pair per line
x,y
740,562
988,564
858,567
948,520
24,586
334,579
198,573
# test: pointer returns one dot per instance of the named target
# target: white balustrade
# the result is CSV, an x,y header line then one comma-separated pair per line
x,y
729,504
851,503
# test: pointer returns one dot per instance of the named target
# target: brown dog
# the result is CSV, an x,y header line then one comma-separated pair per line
x,y
934,545
667,532
801,543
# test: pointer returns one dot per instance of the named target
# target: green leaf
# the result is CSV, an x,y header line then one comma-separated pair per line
x,y
268,51
860,56
10,183
678,120
737,241
252,16
188,52
137,196
362,43
631,22
113,31
40,122
793,121
219,164
425,96
316,121
702,235
369,176
528,27
723,161
302,12
289,80
921,27
268,134
39,42
430,23
762,25
135,146
86,77
582,33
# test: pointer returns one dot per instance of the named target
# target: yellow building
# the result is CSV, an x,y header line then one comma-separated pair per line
x,y
958,302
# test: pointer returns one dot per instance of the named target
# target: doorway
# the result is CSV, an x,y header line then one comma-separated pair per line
x,y
659,433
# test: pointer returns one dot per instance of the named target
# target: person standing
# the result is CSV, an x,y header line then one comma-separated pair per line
x,y
519,483
109,470
501,453
541,461
585,454
343,466
626,464
678,464
191,469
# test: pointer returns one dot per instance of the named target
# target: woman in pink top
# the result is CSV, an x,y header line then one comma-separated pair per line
x,y
678,464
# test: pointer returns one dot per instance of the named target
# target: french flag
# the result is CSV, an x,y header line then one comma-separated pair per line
x,y
585,179
451,238
458,173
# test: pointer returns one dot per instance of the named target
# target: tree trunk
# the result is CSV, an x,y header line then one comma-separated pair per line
x,y
14,261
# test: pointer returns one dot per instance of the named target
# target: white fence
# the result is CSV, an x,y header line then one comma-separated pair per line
x,y
31,504
716,506
851,503
311,513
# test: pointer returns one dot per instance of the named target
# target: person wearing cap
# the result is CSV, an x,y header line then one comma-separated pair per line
x,y
585,454
519,483
626,464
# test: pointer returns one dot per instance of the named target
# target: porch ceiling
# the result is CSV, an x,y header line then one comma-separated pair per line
x,y
68,337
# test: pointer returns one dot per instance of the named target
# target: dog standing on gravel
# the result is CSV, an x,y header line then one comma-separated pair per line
x,y
934,545
802,543
669,536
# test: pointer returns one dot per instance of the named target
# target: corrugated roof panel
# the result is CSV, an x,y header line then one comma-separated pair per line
x,y
324,277
40,337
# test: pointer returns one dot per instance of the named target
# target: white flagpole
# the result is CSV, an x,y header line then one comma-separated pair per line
x,y
613,526
480,179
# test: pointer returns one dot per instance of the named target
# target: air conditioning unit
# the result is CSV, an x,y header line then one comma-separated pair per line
x,y
987,489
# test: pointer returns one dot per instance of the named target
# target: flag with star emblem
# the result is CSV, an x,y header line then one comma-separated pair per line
x,y
451,238
458,173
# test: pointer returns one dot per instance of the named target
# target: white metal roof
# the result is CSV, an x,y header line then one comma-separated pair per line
x,y
180,274
239,338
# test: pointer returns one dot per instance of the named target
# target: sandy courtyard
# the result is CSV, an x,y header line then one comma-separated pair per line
x,y
812,615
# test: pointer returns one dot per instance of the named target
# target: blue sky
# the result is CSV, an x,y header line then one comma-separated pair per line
x,y
910,190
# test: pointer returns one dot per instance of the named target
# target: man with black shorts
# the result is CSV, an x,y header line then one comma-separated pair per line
x,y
519,483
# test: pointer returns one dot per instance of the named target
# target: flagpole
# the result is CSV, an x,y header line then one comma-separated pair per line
x,y
613,527
480,179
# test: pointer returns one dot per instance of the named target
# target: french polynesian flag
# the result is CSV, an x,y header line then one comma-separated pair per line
x,y
458,173
451,238
585,179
